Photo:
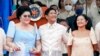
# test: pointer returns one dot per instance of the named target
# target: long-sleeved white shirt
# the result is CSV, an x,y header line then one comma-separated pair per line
x,y
52,37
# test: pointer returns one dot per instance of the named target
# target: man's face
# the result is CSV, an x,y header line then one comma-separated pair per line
x,y
79,9
98,3
52,16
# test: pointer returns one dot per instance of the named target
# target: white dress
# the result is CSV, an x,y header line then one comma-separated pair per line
x,y
82,46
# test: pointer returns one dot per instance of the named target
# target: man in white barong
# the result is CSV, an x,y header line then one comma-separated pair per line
x,y
52,35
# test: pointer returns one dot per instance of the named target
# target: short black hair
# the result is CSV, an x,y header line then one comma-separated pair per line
x,y
48,10
21,10
89,23
39,3
24,1
52,6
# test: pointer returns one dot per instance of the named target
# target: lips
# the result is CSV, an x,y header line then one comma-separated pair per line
x,y
53,17
27,20
80,23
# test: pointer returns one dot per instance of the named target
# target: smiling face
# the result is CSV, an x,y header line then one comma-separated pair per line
x,y
25,17
52,16
81,21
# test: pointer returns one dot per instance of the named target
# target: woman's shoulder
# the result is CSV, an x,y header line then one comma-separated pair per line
x,y
11,23
74,32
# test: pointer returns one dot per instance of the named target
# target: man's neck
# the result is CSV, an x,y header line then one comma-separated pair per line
x,y
51,23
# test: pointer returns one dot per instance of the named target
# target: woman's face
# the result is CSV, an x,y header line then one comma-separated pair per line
x,y
52,16
81,21
68,5
25,17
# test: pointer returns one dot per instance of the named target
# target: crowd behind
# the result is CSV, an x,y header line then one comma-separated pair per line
x,y
73,29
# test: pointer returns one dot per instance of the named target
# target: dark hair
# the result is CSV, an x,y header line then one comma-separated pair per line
x,y
89,23
39,3
61,20
52,6
21,10
48,10
59,4
24,1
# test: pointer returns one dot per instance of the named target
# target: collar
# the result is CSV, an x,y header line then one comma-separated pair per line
x,y
51,25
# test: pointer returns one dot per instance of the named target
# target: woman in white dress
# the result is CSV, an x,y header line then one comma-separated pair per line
x,y
82,41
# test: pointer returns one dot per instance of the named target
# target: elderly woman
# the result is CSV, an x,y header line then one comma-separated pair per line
x,y
22,37
65,9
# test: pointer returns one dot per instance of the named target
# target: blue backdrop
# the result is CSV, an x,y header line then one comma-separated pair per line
x,y
5,12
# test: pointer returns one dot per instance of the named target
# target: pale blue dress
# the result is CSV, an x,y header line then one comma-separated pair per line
x,y
23,38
